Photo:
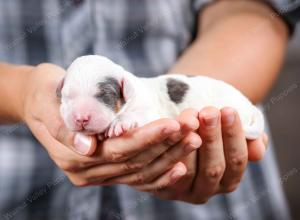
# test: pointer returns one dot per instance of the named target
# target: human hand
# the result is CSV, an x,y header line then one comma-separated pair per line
x,y
84,162
218,166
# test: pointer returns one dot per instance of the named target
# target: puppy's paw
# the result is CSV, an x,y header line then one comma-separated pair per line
x,y
121,125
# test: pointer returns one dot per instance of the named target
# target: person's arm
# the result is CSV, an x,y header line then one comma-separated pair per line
x,y
240,42
12,81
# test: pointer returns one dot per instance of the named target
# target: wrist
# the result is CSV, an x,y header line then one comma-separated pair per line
x,y
13,80
24,79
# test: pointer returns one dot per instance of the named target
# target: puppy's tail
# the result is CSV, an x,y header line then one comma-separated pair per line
x,y
256,125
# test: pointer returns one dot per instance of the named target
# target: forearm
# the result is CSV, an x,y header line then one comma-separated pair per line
x,y
240,43
12,81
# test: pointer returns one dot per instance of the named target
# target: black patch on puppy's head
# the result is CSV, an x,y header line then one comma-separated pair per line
x,y
176,90
110,93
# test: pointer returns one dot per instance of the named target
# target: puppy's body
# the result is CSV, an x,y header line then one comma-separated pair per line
x,y
100,96
171,94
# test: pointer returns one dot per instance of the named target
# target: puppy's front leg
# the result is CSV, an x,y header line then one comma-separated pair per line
x,y
135,113
122,124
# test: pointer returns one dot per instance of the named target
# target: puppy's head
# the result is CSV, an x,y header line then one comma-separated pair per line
x,y
92,94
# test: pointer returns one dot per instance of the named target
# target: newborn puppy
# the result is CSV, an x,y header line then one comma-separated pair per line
x,y
100,97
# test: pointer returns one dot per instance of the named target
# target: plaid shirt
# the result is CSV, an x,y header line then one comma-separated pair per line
x,y
146,38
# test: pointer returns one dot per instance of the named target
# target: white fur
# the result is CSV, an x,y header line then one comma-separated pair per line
x,y
147,98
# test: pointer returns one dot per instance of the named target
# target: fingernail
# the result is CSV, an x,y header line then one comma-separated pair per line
x,y
82,143
210,120
228,117
177,174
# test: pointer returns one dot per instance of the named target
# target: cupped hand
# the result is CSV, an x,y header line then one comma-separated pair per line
x,y
146,158
218,165
159,146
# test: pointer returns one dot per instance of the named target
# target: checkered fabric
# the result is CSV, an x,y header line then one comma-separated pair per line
x,y
146,37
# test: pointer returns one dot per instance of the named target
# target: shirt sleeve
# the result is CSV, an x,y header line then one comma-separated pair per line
x,y
288,10
199,4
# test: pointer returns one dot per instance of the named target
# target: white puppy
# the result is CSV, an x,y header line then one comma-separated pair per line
x,y
100,97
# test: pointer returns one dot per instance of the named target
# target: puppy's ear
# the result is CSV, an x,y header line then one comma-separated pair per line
x,y
127,87
59,87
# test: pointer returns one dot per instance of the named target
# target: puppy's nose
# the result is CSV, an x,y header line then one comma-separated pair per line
x,y
81,120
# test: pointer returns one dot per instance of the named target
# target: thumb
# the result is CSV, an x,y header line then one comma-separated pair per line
x,y
78,142
84,145
257,148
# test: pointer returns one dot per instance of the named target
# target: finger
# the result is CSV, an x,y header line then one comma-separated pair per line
x,y
182,188
161,165
98,157
211,160
101,173
105,173
188,120
256,149
265,140
235,149
169,178
136,141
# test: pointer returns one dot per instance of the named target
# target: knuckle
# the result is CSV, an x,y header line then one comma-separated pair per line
x,y
83,165
116,156
152,142
230,133
169,142
214,173
133,165
239,161
210,137
138,179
